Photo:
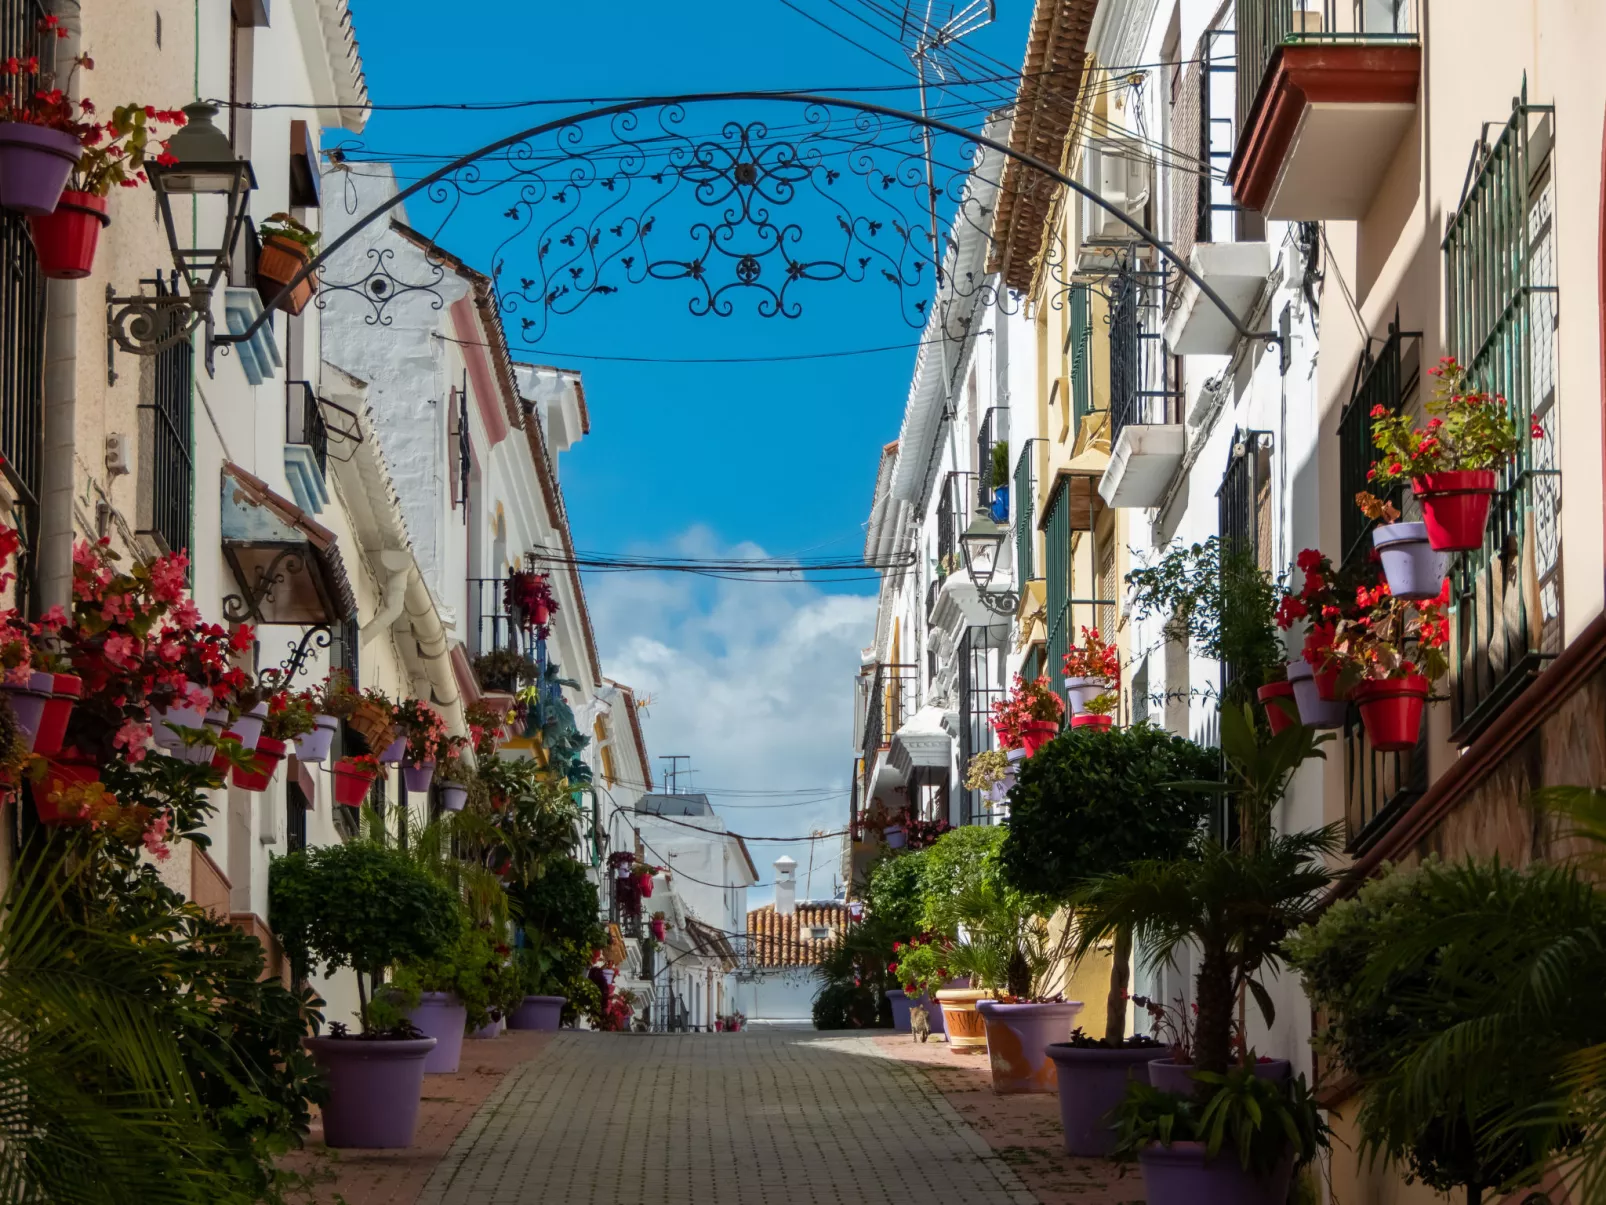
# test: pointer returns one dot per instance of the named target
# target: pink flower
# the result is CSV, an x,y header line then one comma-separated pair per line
x,y
53,619
167,577
155,839
120,649
185,614
132,737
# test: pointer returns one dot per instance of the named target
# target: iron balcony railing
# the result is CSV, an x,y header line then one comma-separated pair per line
x,y
1023,500
1140,378
492,628
1079,352
1378,787
1066,612
1388,379
894,690
1264,26
983,657
992,430
304,422
956,506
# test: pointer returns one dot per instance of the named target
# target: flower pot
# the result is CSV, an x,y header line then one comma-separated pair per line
x,y
441,1015
1079,692
897,837
900,1001
1415,569
1037,733
68,689
28,701
1018,1038
1089,720
267,755
165,721
61,775
541,1013
351,785
998,510
35,164
374,722
314,746
419,777
394,753
1092,1082
277,264
491,1029
967,1033
1179,1174
659,930
1392,711
65,240
646,886
374,1089
1314,711
1169,1076
453,796
1281,710
540,613
248,727
1455,507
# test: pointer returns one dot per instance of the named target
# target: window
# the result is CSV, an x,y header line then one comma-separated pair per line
x,y
983,657
167,474
1140,385
1244,515
819,933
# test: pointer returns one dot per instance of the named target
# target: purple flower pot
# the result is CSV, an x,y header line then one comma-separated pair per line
x,y
541,1013
899,999
392,754
489,1030
1415,569
1178,1077
419,777
1092,1082
453,796
28,704
1179,1174
35,163
1018,1038
374,1089
441,1016
1314,711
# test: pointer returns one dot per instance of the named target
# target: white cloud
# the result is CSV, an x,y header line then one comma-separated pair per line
x,y
754,680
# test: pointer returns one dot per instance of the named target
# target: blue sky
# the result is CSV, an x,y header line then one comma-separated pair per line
x,y
690,459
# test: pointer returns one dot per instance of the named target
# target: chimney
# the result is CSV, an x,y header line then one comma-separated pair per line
x,y
785,886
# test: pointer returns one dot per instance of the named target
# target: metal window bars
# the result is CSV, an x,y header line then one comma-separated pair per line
x,y
1065,611
993,429
983,658
1023,501
1140,378
1079,350
167,480
961,494
1243,514
1387,378
894,689
304,422
493,627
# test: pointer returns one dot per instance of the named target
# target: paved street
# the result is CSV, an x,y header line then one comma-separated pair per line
x,y
792,1118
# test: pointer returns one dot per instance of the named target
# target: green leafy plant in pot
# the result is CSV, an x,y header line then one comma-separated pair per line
x,y
556,912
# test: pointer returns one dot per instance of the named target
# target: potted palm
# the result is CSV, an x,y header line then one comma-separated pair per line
x,y
287,248
1092,669
365,906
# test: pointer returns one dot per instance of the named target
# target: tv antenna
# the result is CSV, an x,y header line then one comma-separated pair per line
x,y
673,773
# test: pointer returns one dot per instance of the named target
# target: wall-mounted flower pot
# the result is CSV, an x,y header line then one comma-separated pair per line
x,y
277,265
374,722
540,613
998,510
659,930
1455,507
35,163
897,836
62,774
1079,692
67,690
1415,569
394,753
419,777
1180,1174
1018,1038
267,756
544,1014
248,727
65,240
351,784
453,796
1092,1082
1037,733
441,1015
1392,711
1314,711
1097,723
28,699
314,746
374,1089
967,1032
1282,711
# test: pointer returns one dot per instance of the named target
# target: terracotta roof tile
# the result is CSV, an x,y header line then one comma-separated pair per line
x,y
782,941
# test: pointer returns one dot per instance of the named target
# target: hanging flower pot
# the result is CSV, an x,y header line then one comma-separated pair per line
x,y
419,777
1089,720
314,746
1455,507
248,727
68,688
28,700
660,930
267,755
897,836
1314,711
35,164
1317,641
352,780
1079,692
374,722
1414,567
998,511
541,614
453,796
62,775
1279,714
280,260
65,240
1037,733
393,753
1391,709
644,882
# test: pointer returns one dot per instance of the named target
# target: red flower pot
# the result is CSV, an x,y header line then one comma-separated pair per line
x,y
1455,507
644,886
65,240
61,775
1085,720
1392,711
268,754
1034,734
1280,717
351,784
660,930
541,614
58,710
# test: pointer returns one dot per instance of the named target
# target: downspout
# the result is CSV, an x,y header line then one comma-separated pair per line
x,y
435,649
399,565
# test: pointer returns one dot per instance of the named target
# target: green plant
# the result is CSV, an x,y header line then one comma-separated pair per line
x,y
986,770
850,1006
1467,429
894,892
1000,464
361,905
923,964
505,669
289,716
1260,765
1104,704
1091,803
476,969
282,225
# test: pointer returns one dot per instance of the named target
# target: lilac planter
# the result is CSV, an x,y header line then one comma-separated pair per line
x,y
1179,1175
28,704
1178,1077
541,1013
441,1016
1018,1038
1092,1082
392,754
453,796
419,777
902,1003
489,1030
1415,569
1314,711
248,727
35,164
374,1089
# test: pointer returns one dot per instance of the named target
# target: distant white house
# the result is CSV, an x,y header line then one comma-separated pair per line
x,y
785,942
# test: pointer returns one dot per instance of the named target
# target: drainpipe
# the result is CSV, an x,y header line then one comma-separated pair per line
x,y
435,649
399,565
57,464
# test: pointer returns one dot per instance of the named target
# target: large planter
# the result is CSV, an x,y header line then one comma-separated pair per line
x,y
35,164
351,784
453,796
1179,1174
1093,722
1079,692
487,1031
1092,1082
28,701
65,240
267,755
1392,711
419,777
967,1033
314,746
541,1013
1415,569
374,1089
1018,1038
1177,1078
281,258
1037,733
1455,507
900,1001
1281,708
66,690
1314,711
441,1016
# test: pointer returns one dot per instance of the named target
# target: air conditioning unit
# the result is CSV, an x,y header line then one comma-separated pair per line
x,y
1121,171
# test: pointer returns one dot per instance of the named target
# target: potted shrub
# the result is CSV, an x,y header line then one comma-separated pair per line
x,y
999,478
353,776
1369,655
922,970
505,670
287,247
455,994
1090,803
1097,714
1452,462
1092,668
365,906
557,918
1029,717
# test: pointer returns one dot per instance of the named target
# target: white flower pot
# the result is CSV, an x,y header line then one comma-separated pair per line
x,y
248,727
1079,692
314,746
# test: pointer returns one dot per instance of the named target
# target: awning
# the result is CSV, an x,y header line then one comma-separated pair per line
x,y
287,565
924,741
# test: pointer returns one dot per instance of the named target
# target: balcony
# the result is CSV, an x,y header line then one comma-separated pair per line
x,y
1147,439
306,447
1325,95
956,601
892,689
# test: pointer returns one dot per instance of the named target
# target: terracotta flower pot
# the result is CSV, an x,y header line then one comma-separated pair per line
x,y
277,265
35,163
351,784
1037,733
1392,711
1282,712
1092,1082
441,1015
1415,569
1455,507
1018,1038
374,1089
1088,720
1314,711
65,239
541,1013
967,1033
374,722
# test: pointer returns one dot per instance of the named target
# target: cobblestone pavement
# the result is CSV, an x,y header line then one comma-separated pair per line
x,y
756,1118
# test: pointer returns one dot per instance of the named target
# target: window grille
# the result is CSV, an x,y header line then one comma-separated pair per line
x,y
1023,501
983,656
167,476
1140,390
1243,513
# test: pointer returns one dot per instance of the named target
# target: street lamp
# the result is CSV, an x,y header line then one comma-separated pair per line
x,y
201,162
983,547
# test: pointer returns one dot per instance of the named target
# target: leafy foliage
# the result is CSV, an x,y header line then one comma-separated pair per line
x,y
476,968
557,914
847,1005
893,894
